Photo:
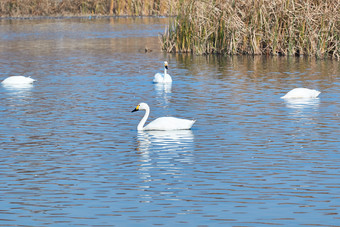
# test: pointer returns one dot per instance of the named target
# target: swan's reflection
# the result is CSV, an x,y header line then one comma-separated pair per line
x,y
303,103
17,87
162,88
171,142
164,91
19,90
164,149
163,155
17,95
302,108
303,114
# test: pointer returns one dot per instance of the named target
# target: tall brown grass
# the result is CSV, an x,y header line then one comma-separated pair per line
x,y
144,7
256,27
29,8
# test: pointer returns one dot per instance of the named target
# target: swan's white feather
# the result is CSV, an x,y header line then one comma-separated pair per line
x,y
17,80
169,123
301,93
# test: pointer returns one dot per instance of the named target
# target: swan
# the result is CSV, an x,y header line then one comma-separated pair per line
x,y
301,93
163,77
161,123
17,80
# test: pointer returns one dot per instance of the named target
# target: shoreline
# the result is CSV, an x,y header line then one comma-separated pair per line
x,y
203,27
80,17
79,8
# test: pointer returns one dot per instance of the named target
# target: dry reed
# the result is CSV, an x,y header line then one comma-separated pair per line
x,y
256,27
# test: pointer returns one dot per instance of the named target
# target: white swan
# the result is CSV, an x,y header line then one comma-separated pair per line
x,y
301,93
161,123
17,80
163,77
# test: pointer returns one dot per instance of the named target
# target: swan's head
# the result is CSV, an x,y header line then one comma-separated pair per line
x,y
141,106
166,64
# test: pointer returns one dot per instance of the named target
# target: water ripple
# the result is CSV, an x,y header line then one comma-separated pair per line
x,y
71,154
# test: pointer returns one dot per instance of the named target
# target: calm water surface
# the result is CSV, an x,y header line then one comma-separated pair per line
x,y
71,155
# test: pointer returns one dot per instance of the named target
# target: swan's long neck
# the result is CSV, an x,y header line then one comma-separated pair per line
x,y
165,71
142,122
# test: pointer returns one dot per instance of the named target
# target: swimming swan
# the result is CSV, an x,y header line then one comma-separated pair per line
x,y
161,123
17,80
301,93
163,77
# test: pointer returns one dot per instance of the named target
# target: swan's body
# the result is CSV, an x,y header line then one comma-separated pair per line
x,y
18,80
162,123
297,93
163,77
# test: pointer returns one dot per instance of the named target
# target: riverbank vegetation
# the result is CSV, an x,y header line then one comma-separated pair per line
x,y
253,27
256,27
53,8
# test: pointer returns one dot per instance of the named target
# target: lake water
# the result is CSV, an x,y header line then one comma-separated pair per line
x,y
71,155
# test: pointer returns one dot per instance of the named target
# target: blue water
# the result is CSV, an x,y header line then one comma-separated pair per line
x,y
71,154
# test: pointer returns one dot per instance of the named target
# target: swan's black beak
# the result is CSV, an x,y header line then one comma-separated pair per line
x,y
136,109
166,67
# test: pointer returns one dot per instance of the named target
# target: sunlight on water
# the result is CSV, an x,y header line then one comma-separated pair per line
x,y
71,154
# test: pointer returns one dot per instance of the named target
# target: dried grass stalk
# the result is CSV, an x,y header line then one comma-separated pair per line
x,y
262,27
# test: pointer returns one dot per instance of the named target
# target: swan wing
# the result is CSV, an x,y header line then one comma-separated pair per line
x,y
167,79
169,123
161,78
158,78
301,93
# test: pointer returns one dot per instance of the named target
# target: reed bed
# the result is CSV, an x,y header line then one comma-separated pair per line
x,y
31,8
256,27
